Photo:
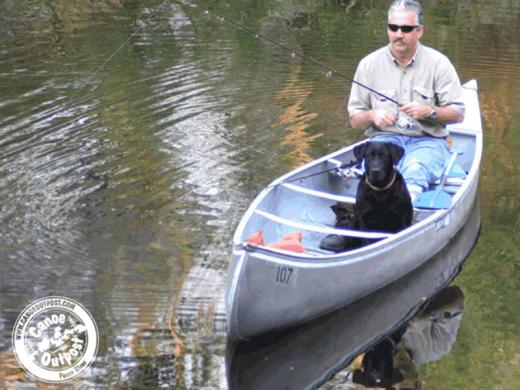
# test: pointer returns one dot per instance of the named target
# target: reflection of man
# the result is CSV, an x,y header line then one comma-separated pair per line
x,y
432,334
426,338
426,84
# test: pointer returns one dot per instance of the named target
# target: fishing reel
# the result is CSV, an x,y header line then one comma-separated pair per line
x,y
347,171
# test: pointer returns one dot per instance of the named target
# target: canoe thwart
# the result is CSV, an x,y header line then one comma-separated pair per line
x,y
322,229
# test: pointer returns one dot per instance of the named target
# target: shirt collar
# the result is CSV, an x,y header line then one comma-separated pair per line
x,y
415,58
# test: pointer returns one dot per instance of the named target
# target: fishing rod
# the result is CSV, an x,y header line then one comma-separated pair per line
x,y
345,170
294,53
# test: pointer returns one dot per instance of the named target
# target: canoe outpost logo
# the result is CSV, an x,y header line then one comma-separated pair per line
x,y
55,339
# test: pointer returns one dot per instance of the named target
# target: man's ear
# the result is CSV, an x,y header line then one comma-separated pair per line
x,y
359,151
420,32
396,152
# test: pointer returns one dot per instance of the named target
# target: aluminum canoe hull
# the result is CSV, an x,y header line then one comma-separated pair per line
x,y
278,361
271,289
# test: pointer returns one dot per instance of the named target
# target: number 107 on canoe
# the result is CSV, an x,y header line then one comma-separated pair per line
x,y
283,274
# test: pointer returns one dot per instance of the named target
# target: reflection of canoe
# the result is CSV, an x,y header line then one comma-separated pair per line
x,y
271,288
307,356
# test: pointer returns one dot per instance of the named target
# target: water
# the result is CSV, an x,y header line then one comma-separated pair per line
x,y
133,134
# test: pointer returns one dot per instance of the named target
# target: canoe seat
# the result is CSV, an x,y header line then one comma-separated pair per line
x,y
323,229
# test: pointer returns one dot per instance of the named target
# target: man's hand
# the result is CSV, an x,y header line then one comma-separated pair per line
x,y
382,118
416,110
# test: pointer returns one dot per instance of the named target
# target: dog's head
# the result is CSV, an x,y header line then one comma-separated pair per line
x,y
377,368
380,159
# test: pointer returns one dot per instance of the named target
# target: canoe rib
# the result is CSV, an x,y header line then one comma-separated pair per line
x,y
320,194
322,229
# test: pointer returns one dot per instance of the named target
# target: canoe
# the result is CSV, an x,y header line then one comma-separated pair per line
x,y
274,287
281,360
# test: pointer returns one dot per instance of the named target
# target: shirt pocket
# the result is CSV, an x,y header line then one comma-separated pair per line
x,y
383,101
424,95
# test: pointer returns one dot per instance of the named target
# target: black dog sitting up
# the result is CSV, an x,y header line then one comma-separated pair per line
x,y
383,203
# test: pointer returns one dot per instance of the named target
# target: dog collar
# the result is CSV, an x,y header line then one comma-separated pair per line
x,y
381,189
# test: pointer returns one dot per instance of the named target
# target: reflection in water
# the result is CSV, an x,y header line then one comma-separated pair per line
x,y
393,362
306,357
297,119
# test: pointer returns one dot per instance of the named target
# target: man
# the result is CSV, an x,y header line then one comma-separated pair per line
x,y
424,83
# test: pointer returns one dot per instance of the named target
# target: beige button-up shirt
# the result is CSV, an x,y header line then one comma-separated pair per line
x,y
429,78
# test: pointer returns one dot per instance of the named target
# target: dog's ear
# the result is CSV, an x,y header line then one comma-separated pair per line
x,y
396,151
359,151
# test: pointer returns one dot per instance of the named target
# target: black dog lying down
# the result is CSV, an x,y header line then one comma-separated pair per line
x,y
383,203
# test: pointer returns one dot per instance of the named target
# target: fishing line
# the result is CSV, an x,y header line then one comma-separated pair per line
x,y
102,66
294,53
209,125
109,58
330,71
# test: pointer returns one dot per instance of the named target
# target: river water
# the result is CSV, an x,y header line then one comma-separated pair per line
x,y
133,134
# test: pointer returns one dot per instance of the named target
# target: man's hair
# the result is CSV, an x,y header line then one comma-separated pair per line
x,y
408,5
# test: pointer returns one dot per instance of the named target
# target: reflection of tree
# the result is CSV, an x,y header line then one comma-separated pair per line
x,y
10,369
295,118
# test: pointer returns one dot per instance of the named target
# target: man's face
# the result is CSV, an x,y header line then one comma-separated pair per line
x,y
403,43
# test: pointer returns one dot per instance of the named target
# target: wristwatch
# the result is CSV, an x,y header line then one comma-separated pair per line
x,y
433,115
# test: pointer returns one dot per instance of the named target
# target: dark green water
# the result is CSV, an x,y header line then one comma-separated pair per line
x,y
133,134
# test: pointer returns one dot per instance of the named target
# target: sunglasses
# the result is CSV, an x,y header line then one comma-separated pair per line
x,y
405,29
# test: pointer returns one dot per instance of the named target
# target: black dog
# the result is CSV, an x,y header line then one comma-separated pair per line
x,y
383,203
